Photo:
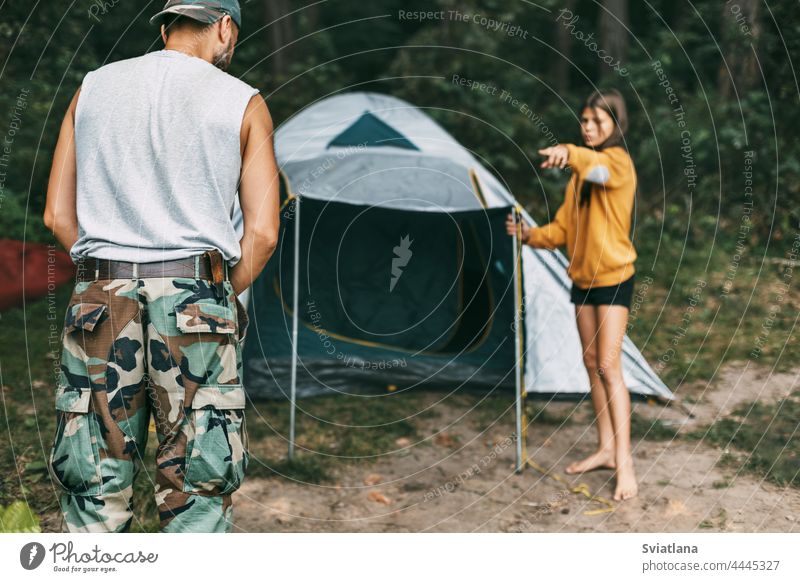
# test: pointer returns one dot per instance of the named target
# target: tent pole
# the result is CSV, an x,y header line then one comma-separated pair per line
x,y
295,307
520,387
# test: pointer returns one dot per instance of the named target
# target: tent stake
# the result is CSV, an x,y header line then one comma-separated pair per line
x,y
295,306
520,388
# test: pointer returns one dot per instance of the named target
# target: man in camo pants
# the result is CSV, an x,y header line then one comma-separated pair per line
x,y
142,192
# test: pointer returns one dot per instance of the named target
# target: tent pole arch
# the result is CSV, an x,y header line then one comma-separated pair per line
x,y
295,306
520,391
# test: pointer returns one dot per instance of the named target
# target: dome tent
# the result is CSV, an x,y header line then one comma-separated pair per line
x,y
394,268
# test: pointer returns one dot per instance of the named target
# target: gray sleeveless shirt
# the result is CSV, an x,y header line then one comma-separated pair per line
x,y
157,142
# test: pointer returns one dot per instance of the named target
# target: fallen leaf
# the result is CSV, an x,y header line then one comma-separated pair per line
x,y
373,479
379,497
675,507
499,440
445,440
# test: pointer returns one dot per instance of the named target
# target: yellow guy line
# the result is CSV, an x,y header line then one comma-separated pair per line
x,y
580,488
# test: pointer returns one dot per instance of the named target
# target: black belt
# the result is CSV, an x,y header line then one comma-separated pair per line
x,y
209,265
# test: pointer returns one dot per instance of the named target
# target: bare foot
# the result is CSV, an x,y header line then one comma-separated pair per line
x,y
627,488
602,459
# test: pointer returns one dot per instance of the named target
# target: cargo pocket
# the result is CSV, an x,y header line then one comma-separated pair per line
x,y
211,351
243,321
74,462
216,441
205,318
84,316
84,345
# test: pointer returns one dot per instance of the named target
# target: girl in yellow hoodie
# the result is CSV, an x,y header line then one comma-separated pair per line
x,y
594,223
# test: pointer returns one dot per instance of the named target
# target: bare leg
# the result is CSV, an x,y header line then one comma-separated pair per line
x,y
612,322
603,458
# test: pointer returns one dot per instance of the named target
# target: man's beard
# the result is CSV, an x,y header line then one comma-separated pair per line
x,y
222,59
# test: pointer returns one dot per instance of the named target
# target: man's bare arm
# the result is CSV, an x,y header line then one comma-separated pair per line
x,y
258,195
60,213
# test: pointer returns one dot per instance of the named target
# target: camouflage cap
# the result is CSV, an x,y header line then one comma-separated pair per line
x,y
208,11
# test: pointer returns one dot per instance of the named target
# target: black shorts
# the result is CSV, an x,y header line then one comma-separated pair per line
x,y
612,295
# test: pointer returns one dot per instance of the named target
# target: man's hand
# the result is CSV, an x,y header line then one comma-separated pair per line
x,y
259,192
557,157
60,212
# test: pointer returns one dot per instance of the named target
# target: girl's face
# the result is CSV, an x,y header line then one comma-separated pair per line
x,y
596,126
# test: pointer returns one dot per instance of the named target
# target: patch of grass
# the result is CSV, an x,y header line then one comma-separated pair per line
x,y
18,518
727,459
335,430
652,430
541,414
27,414
691,319
304,468
767,436
491,410
348,426
719,522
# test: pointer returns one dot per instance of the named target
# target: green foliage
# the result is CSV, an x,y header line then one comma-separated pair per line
x,y
19,222
18,518
649,429
367,46
304,468
762,438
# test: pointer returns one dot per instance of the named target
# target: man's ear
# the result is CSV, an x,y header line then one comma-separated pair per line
x,y
164,33
225,28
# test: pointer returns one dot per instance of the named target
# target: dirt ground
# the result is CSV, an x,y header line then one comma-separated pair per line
x,y
462,480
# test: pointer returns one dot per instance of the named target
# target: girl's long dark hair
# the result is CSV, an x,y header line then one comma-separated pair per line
x,y
612,102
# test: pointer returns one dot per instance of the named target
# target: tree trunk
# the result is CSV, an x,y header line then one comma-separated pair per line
x,y
312,18
740,33
563,42
280,34
614,34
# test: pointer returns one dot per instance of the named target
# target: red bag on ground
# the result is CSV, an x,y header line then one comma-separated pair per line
x,y
31,270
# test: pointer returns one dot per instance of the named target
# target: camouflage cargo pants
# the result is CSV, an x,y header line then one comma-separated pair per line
x,y
132,348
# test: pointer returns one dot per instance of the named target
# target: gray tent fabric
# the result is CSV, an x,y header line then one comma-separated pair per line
x,y
443,176
438,184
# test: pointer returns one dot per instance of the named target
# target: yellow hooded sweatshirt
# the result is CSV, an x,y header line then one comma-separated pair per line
x,y
597,236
